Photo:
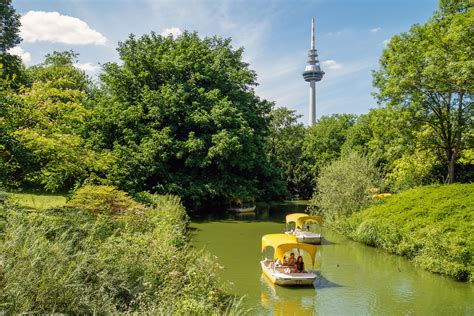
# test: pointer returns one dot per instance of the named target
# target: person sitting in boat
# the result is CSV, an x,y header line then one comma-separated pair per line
x,y
291,264
298,229
299,264
278,262
292,261
285,261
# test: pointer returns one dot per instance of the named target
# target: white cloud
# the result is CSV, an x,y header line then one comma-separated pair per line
x,y
375,29
174,31
25,56
40,26
88,67
385,42
331,64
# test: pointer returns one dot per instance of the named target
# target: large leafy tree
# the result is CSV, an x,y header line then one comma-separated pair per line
x,y
11,67
47,119
394,139
9,26
285,147
181,116
11,77
429,70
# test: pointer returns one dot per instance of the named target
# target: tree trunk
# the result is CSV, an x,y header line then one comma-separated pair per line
x,y
451,160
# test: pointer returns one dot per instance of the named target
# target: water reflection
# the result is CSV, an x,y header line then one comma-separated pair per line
x,y
323,283
283,301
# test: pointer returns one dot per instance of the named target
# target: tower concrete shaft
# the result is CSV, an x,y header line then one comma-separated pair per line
x,y
312,103
311,74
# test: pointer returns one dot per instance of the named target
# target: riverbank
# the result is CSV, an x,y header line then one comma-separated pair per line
x,y
432,226
104,252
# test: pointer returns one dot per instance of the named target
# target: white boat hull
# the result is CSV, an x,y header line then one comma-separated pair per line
x,y
307,237
289,279
242,209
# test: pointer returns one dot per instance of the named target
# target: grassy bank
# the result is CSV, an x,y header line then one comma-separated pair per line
x,y
38,201
432,225
104,252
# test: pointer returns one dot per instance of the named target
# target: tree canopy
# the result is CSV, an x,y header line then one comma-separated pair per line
x,y
285,146
181,116
429,70
11,67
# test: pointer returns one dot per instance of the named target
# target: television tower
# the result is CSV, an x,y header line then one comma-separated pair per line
x,y
312,73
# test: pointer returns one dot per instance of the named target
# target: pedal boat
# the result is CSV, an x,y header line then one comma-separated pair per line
x,y
238,205
301,219
245,209
283,244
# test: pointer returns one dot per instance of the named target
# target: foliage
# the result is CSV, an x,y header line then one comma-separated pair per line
x,y
383,134
344,186
398,145
104,200
285,145
322,145
59,72
11,67
430,225
10,152
10,25
71,260
45,123
429,70
412,170
181,117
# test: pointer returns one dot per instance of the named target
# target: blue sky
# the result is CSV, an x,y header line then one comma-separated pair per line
x,y
350,37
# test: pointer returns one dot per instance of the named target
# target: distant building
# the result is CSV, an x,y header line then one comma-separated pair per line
x,y
312,73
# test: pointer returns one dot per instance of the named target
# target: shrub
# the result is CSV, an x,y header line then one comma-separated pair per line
x,y
344,186
104,199
82,261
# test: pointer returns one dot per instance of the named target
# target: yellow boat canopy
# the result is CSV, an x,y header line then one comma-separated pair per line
x,y
301,218
283,243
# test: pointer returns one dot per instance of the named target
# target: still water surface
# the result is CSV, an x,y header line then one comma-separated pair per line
x,y
353,279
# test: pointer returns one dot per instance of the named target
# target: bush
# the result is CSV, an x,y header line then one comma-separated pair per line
x,y
104,199
344,186
77,260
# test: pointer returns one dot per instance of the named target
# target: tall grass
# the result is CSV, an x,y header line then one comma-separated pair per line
x,y
432,225
78,261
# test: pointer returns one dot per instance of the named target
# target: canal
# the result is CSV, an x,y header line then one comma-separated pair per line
x,y
354,279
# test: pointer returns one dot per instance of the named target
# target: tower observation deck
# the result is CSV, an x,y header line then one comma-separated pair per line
x,y
311,74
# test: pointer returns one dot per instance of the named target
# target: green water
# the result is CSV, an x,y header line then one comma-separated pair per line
x,y
353,279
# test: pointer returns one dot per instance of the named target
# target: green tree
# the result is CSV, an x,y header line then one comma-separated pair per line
x,y
395,140
181,116
429,70
285,147
344,186
11,67
384,134
9,26
47,121
323,143
58,70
